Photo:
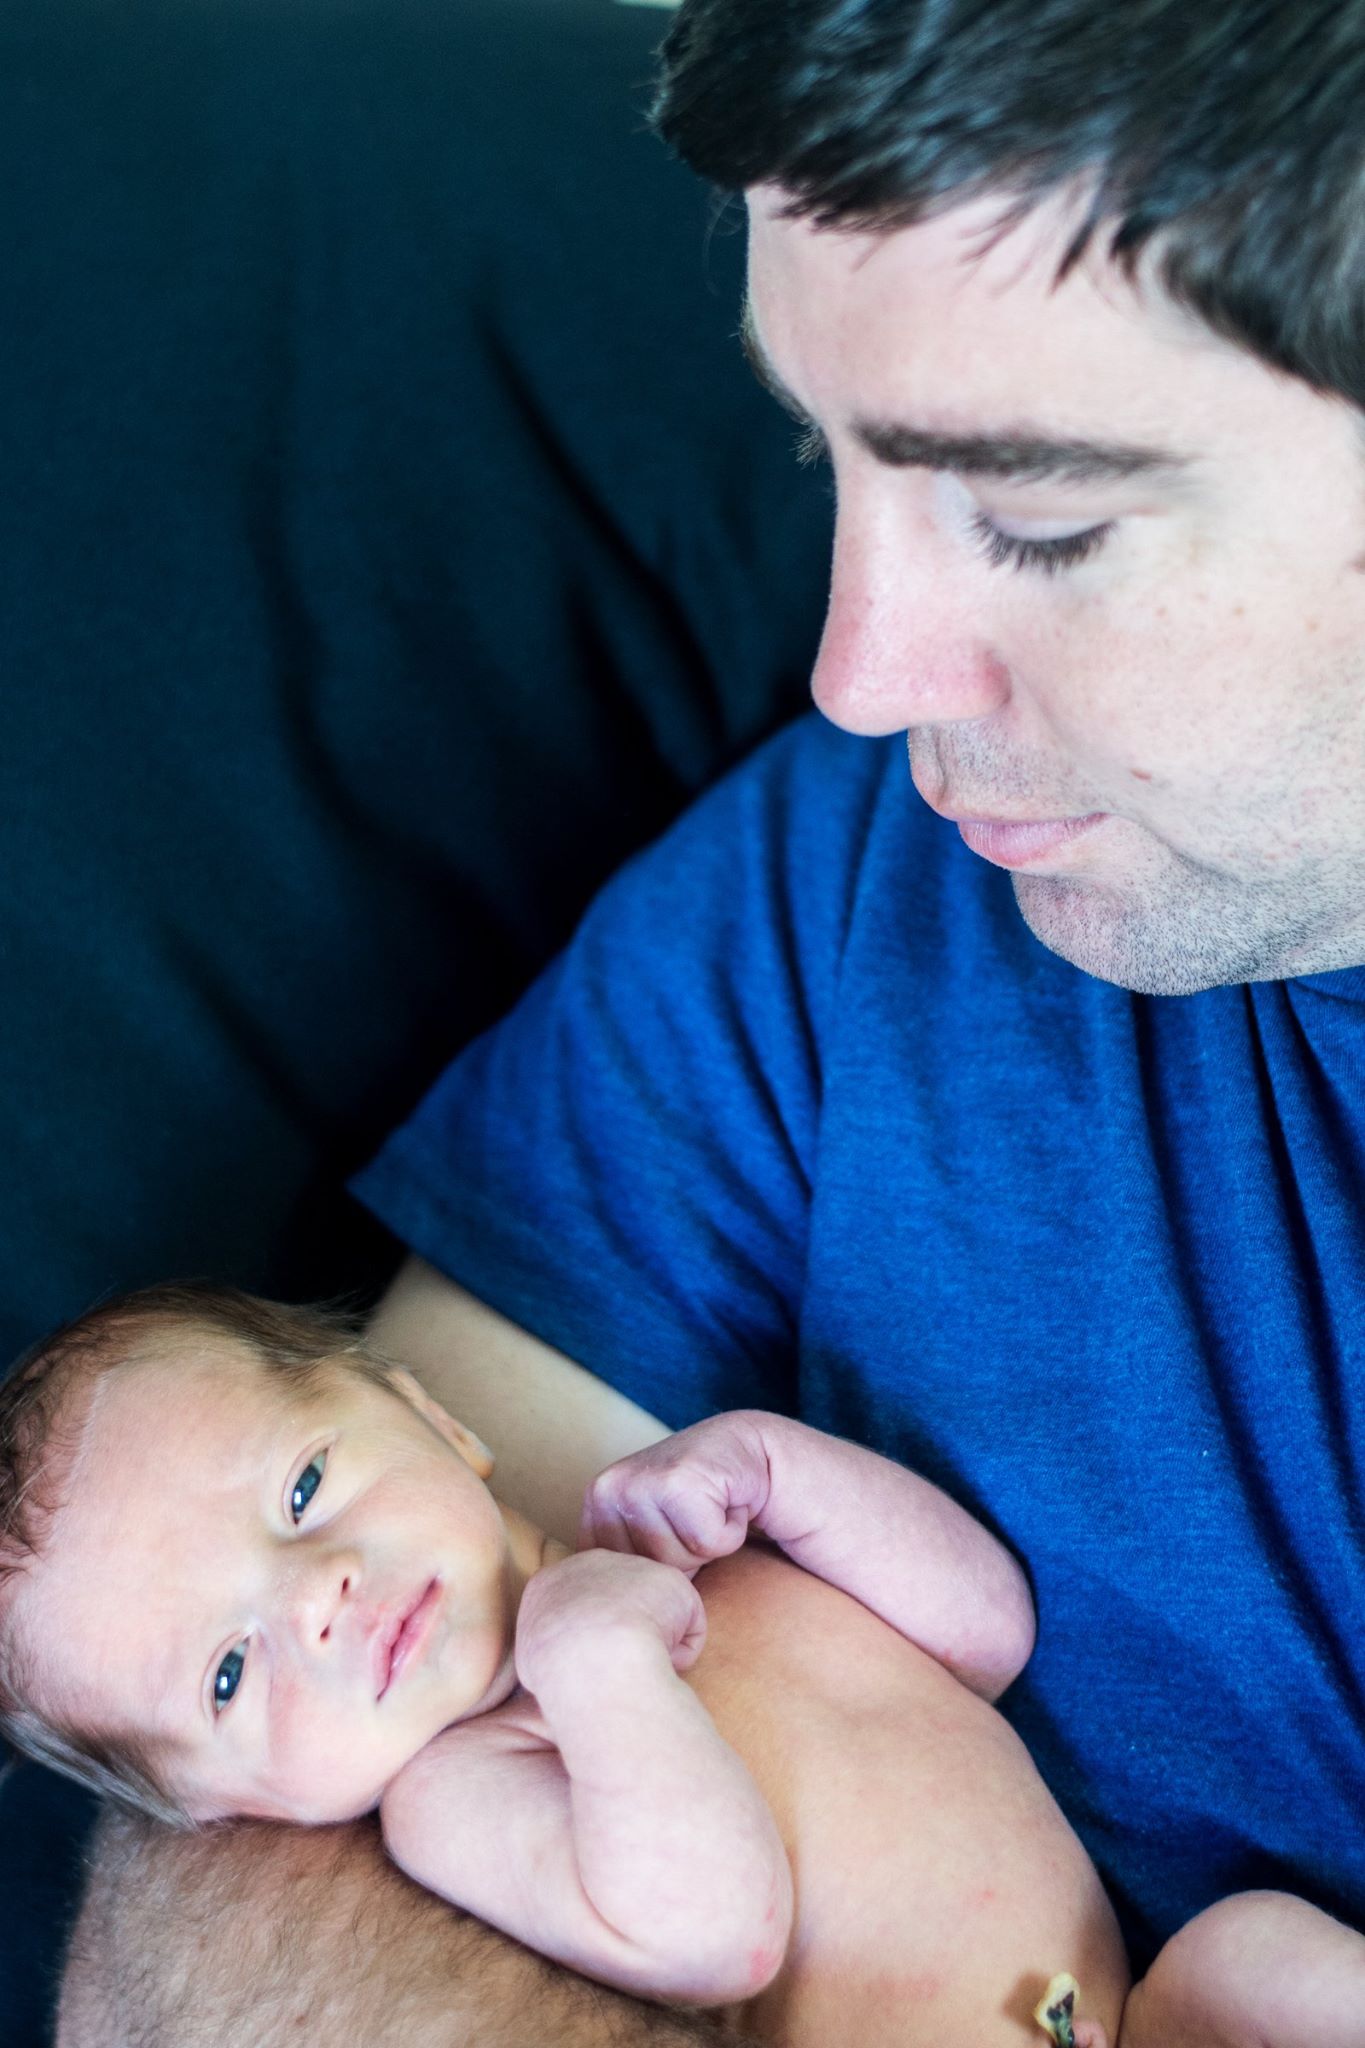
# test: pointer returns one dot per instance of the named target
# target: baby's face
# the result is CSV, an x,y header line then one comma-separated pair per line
x,y
289,1592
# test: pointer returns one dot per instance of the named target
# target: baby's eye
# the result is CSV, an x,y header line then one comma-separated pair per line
x,y
306,1485
228,1677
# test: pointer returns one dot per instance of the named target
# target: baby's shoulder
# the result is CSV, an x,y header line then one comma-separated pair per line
x,y
453,1790
515,1727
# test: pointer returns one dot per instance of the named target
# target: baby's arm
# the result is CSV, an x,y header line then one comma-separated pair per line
x,y
627,1840
869,1526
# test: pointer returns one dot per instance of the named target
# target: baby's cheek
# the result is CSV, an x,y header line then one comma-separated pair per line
x,y
328,1764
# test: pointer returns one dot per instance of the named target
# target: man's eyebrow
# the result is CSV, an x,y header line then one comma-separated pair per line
x,y
1015,455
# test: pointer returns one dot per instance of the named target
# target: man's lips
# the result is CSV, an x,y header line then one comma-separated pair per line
x,y
1016,842
404,1636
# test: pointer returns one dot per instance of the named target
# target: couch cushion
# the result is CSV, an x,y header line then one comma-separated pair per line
x,y
391,539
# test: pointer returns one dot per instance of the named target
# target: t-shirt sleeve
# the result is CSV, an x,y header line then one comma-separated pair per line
x,y
623,1166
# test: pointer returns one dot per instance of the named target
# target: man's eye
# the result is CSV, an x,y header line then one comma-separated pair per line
x,y
228,1677
306,1485
1005,550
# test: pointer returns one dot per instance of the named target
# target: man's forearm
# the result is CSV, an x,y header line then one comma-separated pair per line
x,y
270,1936
550,1425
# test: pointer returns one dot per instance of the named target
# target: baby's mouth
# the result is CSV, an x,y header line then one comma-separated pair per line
x,y
405,1635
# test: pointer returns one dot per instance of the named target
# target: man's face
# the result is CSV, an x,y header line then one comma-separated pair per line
x,y
1107,570
289,1592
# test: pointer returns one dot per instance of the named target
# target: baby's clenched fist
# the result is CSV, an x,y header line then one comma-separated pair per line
x,y
589,1616
687,1500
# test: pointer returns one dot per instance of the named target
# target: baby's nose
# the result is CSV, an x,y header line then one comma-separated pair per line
x,y
322,1593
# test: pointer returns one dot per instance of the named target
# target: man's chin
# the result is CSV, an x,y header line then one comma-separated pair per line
x,y
1132,945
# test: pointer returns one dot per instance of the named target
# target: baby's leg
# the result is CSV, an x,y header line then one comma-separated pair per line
x,y
1261,1970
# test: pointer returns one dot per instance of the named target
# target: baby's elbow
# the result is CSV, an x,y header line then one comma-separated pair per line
x,y
756,1958
753,1973
717,1974
1017,1639
992,1664
735,1956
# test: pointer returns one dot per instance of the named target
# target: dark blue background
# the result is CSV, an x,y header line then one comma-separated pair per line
x,y
390,540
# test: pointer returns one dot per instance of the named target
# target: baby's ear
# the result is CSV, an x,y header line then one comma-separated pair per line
x,y
471,1448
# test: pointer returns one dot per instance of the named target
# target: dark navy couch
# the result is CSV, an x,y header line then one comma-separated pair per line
x,y
391,539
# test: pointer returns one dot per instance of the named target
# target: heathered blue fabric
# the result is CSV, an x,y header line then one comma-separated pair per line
x,y
807,1119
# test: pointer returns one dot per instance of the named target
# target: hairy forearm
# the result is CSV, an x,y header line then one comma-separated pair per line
x,y
272,1936
550,1424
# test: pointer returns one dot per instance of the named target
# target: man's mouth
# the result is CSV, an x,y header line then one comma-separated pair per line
x,y
405,1636
1018,842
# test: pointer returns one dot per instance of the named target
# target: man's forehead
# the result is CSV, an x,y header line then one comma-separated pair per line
x,y
1020,451
989,247
949,332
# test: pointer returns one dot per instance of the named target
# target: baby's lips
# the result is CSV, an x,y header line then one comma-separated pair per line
x,y
401,1634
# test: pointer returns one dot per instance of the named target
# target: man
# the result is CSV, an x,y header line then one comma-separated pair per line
x,y
810,1116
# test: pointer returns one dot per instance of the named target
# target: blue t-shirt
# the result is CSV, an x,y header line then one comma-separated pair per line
x,y
806,1119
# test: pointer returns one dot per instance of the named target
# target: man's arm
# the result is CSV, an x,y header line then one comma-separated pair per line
x,y
259,1936
551,1425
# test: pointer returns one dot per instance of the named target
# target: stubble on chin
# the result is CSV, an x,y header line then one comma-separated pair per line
x,y
1194,934
1108,938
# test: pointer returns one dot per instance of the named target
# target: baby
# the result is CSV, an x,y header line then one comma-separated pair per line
x,y
253,1570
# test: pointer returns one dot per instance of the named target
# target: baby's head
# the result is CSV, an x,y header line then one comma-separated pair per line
x,y
245,1566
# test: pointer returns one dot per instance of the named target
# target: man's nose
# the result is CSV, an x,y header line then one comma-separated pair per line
x,y
900,647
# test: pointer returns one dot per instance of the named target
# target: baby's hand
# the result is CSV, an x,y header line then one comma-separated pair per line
x,y
581,1618
686,1500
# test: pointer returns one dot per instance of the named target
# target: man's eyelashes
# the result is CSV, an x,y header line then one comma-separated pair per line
x,y
811,446
1008,550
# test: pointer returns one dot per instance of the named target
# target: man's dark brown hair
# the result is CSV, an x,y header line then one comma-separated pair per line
x,y
1226,136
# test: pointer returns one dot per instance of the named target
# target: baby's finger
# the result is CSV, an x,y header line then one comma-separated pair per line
x,y
688,1644
686,1521
641,1527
